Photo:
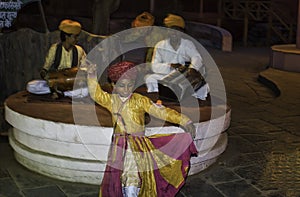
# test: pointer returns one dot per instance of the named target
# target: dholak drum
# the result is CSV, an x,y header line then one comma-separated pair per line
x,y
176,86
64,80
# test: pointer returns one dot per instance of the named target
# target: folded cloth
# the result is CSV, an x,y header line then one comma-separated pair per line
x,y
202,92
77,93
41,87
38,87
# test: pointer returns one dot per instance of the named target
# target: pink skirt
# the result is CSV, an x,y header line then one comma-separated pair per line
x,y
163,162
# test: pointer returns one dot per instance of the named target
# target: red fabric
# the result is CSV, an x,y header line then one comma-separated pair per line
x,y
173,146
124,69
111,182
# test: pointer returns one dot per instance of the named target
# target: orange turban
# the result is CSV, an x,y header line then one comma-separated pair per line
x,y
70,27
144,19
124,70
174,20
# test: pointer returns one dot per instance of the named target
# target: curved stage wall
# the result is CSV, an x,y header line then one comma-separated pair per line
x,y
285,57
78,153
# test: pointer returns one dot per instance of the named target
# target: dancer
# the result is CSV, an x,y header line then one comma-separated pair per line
x,y
140,165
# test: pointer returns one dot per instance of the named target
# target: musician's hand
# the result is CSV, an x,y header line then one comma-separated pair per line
x,y
181,69
175,65
192,72
190,128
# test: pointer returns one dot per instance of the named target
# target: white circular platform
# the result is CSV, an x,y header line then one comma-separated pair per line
x,y
78,153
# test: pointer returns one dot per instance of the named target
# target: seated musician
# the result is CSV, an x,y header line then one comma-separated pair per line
x,y
65,54
61,64
173,53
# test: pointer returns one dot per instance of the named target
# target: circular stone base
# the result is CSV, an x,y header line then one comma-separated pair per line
x,y
78,153
285,57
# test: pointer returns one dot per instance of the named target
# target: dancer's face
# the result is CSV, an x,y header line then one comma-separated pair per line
x,y
124,87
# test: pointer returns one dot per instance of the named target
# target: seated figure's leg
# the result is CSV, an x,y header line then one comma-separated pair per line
x,y
151,82
77,93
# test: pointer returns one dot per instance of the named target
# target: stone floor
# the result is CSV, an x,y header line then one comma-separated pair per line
x,y
263,153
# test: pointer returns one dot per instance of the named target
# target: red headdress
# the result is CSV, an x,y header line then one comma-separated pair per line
x,y
124,70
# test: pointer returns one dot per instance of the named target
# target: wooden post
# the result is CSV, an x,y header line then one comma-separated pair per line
x,y
201,8
298,28
220,14
246,22
245,39
152,6
270,24
43,16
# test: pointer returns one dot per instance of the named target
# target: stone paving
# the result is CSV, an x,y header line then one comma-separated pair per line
x,y
263,153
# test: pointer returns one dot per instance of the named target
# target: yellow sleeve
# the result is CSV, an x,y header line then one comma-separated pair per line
x,y
98,95
50,57
81,54
164,113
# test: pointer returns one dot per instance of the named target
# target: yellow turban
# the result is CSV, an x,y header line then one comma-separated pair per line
x,y
144,19
70,27
174,20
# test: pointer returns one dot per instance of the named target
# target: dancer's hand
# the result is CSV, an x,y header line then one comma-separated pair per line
x,y
90,68
190,128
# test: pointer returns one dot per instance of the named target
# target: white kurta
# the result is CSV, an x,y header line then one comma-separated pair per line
x,y
164,55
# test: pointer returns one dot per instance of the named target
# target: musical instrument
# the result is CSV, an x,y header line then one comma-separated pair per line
x,y
179,84
64,80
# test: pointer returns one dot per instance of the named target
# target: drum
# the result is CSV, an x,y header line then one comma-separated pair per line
x,y
64,80
178,85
